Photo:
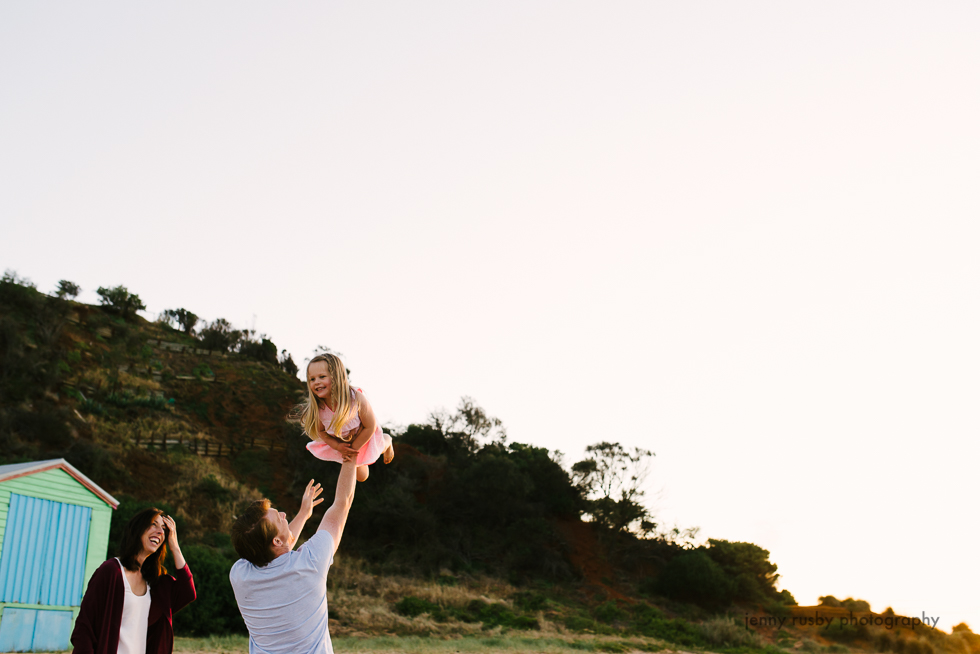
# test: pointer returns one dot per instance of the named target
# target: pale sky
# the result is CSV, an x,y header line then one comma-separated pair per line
x,y
742,235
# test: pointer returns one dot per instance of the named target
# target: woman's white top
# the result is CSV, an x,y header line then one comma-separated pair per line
x,y
135,618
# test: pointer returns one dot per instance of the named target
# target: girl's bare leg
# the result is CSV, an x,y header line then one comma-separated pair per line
x,y
389,454
362,473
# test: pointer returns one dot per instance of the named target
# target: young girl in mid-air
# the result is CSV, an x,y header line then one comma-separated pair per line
x,y
338,419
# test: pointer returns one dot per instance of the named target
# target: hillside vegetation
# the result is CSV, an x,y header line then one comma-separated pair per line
x,y
464,533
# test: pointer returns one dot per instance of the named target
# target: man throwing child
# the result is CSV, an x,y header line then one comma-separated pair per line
x,y
282,594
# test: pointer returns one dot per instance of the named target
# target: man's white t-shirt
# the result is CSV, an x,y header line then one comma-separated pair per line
x,y
284,603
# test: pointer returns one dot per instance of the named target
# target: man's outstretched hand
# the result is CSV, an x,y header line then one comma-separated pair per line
x,y
309,500
305,511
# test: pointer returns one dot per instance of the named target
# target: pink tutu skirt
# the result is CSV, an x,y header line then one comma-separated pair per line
x,y
367,455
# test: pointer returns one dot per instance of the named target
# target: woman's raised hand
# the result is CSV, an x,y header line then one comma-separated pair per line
x,y
172,542
171,532
310,500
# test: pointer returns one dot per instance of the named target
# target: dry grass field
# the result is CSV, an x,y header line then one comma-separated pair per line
x,y
485,644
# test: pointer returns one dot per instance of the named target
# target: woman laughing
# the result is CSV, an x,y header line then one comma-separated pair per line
x,y
129,604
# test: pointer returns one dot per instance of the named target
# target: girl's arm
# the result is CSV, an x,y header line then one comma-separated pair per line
x,y
341,446
368,422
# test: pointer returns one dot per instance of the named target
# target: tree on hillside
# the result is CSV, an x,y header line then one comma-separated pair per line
x,y
25,369
67,290
120,300
449,501
185,319
468,425
260,349
11,278
220,335
749,567
287,364
694,577
612,478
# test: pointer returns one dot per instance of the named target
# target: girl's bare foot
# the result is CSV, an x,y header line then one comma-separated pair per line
x,y
389,454
362,473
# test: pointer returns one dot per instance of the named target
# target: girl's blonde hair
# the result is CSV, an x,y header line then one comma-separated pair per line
x,y
341,397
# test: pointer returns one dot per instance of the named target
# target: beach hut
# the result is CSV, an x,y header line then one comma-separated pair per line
x,y
54,532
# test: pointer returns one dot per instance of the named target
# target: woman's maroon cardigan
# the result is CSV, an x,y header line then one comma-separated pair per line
x,y
97,626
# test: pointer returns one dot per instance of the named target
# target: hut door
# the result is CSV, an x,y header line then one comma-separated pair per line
x,y
44,548
42,563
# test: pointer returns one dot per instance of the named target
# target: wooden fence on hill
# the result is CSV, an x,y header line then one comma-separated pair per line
x,y
206,447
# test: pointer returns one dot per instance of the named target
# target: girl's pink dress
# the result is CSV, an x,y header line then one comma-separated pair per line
x,y
369,452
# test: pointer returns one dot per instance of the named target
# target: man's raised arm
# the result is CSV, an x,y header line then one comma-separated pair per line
x,y
335,517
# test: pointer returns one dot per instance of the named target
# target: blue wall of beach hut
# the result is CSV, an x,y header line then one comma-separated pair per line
x,y
54,532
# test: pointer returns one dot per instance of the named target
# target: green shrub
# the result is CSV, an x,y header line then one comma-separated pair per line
x,y
490,614
728,632
856,605
530,602
414,606
264,350
777,609
786,598
694,577
185,319
255,467
578,623
92,407
202,370
215,610
287,364
120,300
650,621
211,488
97,462
919,647
46,426
608,612
748,566
843,632
643,611
497,614
67,289
220,336
127,400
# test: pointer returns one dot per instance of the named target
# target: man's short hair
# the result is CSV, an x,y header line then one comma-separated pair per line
x,y
252,534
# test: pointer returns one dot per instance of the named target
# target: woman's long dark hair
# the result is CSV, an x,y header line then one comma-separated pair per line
x,y
131,544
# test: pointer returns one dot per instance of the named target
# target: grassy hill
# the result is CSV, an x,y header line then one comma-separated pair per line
x,y
465,534
130,402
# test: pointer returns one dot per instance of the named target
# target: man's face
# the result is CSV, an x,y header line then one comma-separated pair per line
x,y
278,520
